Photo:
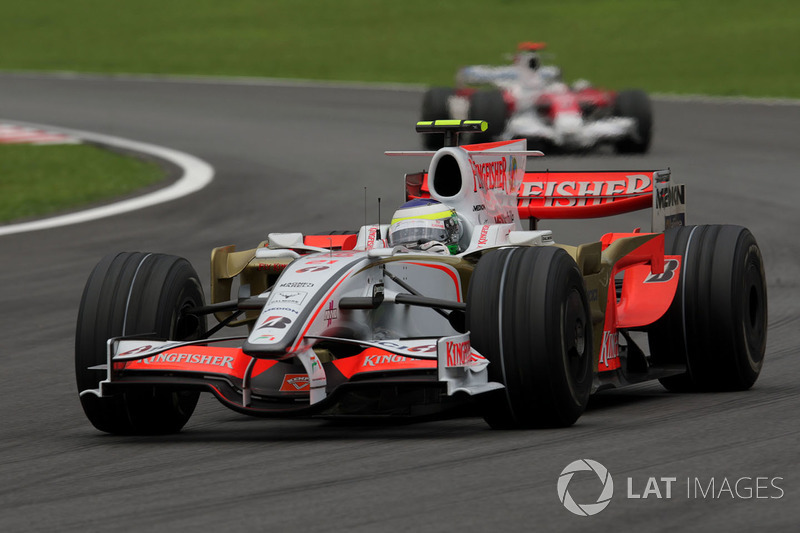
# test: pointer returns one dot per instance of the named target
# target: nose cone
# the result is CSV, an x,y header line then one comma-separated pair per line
x,y
568,128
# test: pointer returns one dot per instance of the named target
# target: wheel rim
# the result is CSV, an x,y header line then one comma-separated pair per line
x,y
575,345
754,316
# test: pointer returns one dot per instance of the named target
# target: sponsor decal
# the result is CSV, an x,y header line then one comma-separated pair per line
x,y
490,175
483,238
191,359
458,353
570,193
287,309
275,322
424,348
331,313
383,359
297,284
609,356
372,234
586,509
479,207
670,266
316,268
268,338
289,297
272,268
505,218
670,196
295,383
140,349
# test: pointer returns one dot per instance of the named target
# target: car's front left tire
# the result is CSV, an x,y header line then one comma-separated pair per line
x,y
528,314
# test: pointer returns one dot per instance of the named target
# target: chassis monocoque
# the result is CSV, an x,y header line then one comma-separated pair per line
x,y
516,326
528,100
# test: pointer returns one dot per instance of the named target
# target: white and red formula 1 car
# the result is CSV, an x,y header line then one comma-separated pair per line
x,y
529,100
454,304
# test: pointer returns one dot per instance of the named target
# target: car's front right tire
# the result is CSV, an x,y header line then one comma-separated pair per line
x,y
128,294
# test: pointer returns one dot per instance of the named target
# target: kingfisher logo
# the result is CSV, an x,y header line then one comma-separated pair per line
x,y
458,353
585,509
492,175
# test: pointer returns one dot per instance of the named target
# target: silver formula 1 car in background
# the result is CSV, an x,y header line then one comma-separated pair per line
x,y
530,100
452,305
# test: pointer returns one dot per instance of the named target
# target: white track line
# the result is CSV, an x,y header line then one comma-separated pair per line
x,y
196,175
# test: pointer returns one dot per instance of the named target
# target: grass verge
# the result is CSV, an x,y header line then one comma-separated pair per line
x,y
721,47
44,180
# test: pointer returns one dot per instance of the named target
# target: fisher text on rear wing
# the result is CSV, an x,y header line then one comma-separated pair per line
x,y
574,195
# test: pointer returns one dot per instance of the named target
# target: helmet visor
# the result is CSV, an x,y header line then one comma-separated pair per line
x,y
414,232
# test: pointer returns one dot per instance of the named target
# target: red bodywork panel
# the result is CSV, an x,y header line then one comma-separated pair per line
x,y
550,105
342,242
650,280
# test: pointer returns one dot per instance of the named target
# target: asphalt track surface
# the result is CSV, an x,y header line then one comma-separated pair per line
x,y
297,158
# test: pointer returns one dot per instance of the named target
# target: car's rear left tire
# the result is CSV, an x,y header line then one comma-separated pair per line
x,y
490,106
717,323
127,294
528,314
435,107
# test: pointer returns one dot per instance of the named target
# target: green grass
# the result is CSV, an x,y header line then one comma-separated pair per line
x,y
42,180
722,47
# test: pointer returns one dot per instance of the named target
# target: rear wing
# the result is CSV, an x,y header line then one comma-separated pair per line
x,y
594,194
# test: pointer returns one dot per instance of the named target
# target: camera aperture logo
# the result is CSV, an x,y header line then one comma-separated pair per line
x,y
585,509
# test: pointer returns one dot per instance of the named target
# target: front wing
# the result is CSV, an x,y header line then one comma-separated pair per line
x,y
386,377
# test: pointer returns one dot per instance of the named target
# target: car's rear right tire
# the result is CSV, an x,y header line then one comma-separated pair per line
x,y
717,323
528,314
127,294
635,103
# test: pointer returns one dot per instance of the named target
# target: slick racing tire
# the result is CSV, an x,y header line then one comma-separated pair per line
x,y
490,106
434,107
635,103
128,294
717,323
528,314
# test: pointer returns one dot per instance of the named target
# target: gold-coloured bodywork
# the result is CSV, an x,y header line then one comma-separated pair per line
x,y
259,274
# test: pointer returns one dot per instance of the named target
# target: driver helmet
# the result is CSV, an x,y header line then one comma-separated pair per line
x,y
421,222
529,60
